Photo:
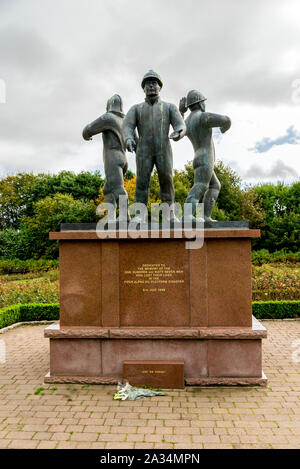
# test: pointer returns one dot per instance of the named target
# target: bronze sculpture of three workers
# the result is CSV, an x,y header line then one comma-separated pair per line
x,y
152,120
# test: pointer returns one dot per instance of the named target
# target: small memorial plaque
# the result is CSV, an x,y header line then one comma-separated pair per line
x,y
156,373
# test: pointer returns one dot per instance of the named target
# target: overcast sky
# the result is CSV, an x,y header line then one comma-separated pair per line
x,y
60,60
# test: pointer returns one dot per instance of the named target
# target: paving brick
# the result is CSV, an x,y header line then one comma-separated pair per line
x,y
163,445
84,436
206,439
73,428
60,436
119,445
128,429
84,422
19,435
23,444
111,437
112,422
186,431
164,430
217,446
143,445
42,436
47,444
4,443
98,445
135,437
67,445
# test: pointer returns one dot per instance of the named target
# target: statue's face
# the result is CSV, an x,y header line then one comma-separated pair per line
x,y
152,88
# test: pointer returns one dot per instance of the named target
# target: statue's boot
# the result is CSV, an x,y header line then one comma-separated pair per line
x,y
209,201
168,216
171,219
190,216
110,199
139,219
124,216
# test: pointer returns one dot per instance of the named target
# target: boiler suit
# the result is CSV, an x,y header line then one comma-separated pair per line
x,y
153,148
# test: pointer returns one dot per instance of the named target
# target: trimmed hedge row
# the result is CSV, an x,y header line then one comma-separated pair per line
x,y
276,309
50,312
263,256
28,312
17,266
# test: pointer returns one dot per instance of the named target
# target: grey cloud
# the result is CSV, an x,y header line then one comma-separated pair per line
x,y
24,50
278,172
291,137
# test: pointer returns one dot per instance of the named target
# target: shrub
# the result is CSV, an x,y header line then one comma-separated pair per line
x,y
49,213
39,312
279,282
40,290
17,266
28,312
263,256
15,243
276,309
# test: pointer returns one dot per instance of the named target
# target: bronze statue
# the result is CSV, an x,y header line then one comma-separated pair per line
x,y
199,126
114,156
152,120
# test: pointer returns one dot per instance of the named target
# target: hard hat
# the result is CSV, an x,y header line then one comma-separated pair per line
x,y
194,97
115,104
152,75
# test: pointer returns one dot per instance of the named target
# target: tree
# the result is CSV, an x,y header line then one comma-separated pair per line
x,y
19,193
49,213
15,191
281,205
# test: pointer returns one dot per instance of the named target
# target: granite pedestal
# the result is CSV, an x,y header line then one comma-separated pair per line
x,y
152,299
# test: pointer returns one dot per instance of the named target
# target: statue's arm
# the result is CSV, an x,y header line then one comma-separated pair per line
x,y
94,128
129,125
183,106
210,120
177,123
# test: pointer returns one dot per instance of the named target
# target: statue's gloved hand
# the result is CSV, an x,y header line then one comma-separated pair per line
x,y
131,145
86,134
226,126
182,106
175,136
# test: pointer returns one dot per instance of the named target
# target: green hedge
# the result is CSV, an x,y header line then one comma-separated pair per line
x,y
50,312
263,256
28,312
17,266
276,309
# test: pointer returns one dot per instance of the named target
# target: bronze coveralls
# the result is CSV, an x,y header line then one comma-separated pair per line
x,y
153,148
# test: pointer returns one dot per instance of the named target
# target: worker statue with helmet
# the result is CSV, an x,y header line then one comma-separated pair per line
x,y
152,119
199,126
114,151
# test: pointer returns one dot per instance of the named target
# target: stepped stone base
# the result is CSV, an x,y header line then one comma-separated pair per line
x,y
224,356
176,296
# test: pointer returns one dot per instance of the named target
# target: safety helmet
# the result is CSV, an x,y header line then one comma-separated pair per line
x,y
194,97
115,103
151,75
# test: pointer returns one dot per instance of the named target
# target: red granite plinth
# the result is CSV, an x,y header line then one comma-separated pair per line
x,y
153,299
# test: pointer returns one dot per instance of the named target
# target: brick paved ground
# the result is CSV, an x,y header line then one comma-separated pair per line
x,y
82,416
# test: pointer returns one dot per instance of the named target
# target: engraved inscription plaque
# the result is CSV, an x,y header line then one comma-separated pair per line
x,y
154,284
155,373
